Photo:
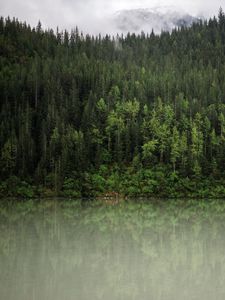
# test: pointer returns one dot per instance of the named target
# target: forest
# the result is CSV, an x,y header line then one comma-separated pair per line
x,y
138,115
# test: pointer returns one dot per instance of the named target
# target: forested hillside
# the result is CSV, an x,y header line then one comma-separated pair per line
x,y
142,115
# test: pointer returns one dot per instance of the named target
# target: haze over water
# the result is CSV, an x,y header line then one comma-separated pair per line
x,y
136,250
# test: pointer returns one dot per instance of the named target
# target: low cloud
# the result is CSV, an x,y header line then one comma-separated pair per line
x,y
94,16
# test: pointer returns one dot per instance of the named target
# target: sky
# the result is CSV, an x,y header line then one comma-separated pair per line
x,y
92,16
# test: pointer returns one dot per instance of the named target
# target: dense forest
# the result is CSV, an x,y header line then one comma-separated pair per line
x,y
138,115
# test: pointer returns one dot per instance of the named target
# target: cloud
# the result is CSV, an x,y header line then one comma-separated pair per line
x,y
93,16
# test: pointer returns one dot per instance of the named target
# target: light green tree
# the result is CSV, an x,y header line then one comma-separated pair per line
x,y
175,147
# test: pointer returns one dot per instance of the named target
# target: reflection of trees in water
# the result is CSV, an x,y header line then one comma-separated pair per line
x,y
164,250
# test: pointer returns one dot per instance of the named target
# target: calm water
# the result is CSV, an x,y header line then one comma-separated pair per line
x,y
58,250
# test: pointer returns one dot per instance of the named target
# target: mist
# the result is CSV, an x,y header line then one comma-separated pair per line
x,y
95,16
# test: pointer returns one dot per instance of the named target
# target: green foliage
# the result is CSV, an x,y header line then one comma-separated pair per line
x,y
98,183
71,188
175,147
101,105
149,148
15,187
113,182
80,117
8,157
24,190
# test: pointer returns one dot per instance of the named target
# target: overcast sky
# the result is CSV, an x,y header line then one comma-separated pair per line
x,y
91,15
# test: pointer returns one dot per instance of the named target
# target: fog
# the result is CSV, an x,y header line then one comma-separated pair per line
x,y
94,16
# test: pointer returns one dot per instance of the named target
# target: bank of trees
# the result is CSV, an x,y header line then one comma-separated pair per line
x,y
76,111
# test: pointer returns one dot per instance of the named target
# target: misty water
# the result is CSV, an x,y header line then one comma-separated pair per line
x,y
65,250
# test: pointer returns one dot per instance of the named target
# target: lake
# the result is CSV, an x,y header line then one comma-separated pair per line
x,y
155,249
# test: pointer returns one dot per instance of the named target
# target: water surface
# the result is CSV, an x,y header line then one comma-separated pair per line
x,y
62,250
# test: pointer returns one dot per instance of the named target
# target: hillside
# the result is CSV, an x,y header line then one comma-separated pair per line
x,y
141,115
